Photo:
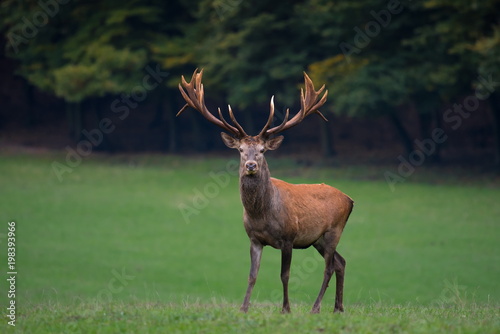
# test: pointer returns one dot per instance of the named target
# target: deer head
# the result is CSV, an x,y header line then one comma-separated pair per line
x,y
252,148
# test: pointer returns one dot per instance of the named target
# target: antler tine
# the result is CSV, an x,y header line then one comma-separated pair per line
x,y
182,109
270,119
311,96
187,97
309,104
285,120
194,95
222,118
235,122
320,104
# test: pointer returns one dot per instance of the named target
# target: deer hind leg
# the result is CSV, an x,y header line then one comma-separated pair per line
x,y
329,269
255,256
286,260
339,268
333,263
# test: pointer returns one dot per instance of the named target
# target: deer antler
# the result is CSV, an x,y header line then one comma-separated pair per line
x,y
309,105
194,95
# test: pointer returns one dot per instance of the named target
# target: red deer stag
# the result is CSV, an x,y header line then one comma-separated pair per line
x,y
276,213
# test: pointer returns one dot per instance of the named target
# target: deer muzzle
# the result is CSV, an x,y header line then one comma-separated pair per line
x,y
251,167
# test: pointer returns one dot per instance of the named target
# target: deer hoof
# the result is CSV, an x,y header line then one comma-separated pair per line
x,y
285,310
338,310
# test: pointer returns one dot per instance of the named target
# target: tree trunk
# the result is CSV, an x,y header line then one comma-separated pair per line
x,y
438,124
327,147
69,117
428,122
172,130
495,108
74,115
105,144
170,142
403,134
78,118
199,140
29,91
427,105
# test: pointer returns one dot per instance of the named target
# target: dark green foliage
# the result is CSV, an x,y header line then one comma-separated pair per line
x,y
376,57
88,50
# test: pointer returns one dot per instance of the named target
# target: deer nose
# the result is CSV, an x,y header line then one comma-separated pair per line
x,y
251,166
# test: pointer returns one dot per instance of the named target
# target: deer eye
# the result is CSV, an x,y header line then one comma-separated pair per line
x,y
261,150
241,150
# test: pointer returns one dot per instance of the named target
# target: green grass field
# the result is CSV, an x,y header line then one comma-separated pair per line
x,y
155,244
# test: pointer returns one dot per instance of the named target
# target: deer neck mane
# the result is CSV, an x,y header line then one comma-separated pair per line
x,y
257,191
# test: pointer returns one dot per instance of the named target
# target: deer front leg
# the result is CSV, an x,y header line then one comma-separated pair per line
x,y
255,256
286,260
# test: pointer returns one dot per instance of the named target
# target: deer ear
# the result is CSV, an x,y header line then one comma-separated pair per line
x,y
230,142
274,143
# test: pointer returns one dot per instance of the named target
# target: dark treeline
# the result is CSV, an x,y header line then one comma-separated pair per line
x,y
424,74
